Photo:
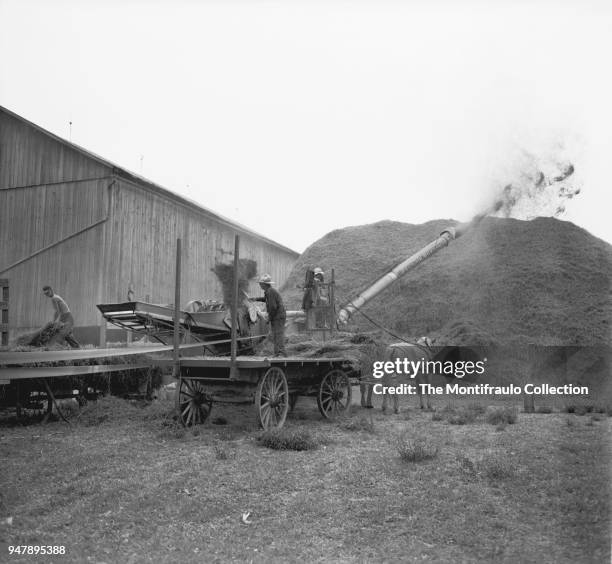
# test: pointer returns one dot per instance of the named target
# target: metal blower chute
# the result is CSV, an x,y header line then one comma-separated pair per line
x,y
398,271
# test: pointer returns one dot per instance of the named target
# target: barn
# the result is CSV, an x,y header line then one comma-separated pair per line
x,y
91,229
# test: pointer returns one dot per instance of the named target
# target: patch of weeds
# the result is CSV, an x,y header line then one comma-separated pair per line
x,y
361,423
597,417
159,410
467,466
172,430
501,426
579,409
288,439
496,469
219,421
462,416
544,409
497,415
415,450
221,451
570,422
477,408
228,434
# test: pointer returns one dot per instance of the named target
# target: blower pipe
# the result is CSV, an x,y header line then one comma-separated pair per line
x,y
402,268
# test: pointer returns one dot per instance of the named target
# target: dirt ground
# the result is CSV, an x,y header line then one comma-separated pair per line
x,y
125,484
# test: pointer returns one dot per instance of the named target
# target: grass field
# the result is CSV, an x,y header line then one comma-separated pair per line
x,y
125,484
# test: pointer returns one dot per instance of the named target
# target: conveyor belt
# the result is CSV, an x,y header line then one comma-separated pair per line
x,y
83,354
21,373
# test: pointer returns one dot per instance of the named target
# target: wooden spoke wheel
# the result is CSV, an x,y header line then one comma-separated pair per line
x,y
193,402
334,396
272,399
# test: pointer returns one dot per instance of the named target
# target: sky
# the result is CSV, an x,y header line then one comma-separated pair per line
x,y
297,118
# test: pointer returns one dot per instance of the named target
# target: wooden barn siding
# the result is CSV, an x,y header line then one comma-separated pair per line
x,y
33,218
49,190
142,242
29,157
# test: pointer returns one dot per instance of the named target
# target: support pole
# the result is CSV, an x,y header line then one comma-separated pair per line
x,y
177,310
234,334
331,296
102,333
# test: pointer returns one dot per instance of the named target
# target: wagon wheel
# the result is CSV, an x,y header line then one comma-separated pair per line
x,y
193,403
272,399
334,396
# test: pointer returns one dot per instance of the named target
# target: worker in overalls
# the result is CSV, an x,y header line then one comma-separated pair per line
x,y
277,314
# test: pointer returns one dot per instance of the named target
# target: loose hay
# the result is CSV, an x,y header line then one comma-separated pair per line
x,y
247,270
507,281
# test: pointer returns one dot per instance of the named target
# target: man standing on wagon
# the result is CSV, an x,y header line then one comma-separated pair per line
x,y
277,314
63,320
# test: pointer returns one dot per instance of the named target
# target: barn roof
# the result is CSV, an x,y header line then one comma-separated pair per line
x,y
149,185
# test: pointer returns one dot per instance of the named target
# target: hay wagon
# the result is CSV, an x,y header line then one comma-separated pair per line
x,y
271,384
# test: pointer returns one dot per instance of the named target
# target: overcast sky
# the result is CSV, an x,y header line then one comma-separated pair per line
x,y
297,118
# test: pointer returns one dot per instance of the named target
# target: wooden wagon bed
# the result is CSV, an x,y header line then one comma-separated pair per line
x,y
272,384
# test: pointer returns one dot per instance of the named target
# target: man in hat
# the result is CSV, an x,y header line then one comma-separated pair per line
x,y
63,320
276,313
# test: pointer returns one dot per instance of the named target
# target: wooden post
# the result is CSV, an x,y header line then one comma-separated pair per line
x,y
234,334
4,312
177,310
102,335
332,303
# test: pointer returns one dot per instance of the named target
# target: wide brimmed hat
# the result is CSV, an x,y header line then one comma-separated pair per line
x,y
266,279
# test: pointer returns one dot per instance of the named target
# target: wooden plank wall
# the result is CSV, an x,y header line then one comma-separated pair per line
x,y
44,198
35,218
49,191
143,232
29,156
4,312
